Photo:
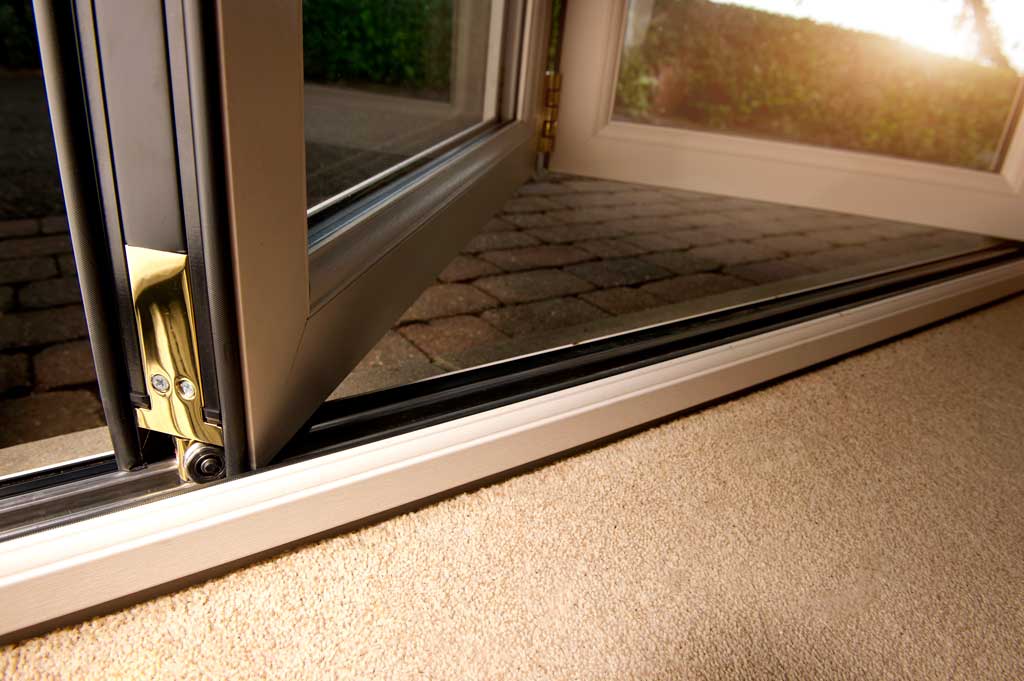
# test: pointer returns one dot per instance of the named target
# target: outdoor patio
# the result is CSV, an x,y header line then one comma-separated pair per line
x,y
566,260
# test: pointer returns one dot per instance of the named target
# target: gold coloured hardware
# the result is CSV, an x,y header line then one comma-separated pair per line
x,y
549,125
163,315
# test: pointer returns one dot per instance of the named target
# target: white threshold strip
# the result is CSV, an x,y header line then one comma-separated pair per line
x,y
72,568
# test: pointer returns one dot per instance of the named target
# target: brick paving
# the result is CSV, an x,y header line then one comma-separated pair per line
x,y
570,256
566,257
47,382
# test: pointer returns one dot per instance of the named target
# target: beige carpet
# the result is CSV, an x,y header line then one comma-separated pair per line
x,y
862,521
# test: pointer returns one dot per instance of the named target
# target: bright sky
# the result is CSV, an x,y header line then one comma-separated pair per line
x,y
929,24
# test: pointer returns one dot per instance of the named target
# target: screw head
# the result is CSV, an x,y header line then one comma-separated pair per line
x,y
186,389
160,383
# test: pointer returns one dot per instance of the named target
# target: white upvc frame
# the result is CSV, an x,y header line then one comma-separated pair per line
x,y
590,143
74,568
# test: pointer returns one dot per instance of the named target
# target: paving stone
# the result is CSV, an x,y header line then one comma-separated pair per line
x,y
548,315
650,209
530,204
835,258
498,225
621,300
66,264
451,335
610,248
390,351
364,380
524,287
536,257
10,228
735,232
682,262
655,243
705,220
48,414
64,365
769,271
493,241
466,267
653,224
888,248
604,186
25,329
13,372
586,215
794,244
543,189
898,230
684,195
652,196
33,246
6,298
750,216
26,269
705,236
618,272
712,212
571,233
693,287
448,300
735,253
530,220
779,227
595,199
55,224
50,293
846,237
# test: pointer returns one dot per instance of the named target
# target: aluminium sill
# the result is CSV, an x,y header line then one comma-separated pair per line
x,y
73,570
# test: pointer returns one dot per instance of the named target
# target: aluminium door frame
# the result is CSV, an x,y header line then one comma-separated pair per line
x,y
307,313
591,143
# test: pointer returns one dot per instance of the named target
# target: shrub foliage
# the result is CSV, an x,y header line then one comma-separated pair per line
x,y
392,43
722,67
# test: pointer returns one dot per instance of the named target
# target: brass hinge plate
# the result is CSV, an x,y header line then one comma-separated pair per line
x,y
170,359
549,124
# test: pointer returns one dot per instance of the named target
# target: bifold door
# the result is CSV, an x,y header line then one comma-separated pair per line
x,y
906,112
265,187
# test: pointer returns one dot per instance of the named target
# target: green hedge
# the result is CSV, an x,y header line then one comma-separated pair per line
x,y
402,44
722,67
18,45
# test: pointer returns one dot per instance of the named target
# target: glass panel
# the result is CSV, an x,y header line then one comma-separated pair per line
x,y
387,81
571,259
47,381
930,80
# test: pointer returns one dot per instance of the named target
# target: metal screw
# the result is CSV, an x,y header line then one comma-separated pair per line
x,y
160,383
186,389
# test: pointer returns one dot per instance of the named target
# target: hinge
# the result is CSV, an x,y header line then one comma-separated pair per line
x,y
170,358
549,124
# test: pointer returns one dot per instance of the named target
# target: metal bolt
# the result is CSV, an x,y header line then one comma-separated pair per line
x,y
160,383
186,389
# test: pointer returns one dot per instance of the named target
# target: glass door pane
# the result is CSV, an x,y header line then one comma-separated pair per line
x,y
389,83
928,80
50,411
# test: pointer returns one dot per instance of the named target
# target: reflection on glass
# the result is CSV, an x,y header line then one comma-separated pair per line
x,y
930,80
571,259
387,80
47,382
